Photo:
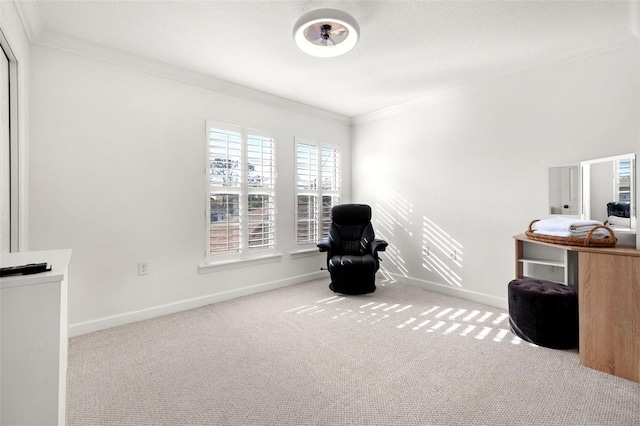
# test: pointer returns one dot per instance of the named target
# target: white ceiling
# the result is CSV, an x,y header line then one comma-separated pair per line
x,y
408,49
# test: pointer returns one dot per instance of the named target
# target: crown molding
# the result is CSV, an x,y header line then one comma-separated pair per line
x,y
620,41
30,17
106,54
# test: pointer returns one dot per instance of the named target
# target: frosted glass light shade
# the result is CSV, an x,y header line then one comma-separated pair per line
x,y
308,33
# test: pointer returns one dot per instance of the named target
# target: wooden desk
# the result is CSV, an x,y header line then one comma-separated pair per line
x,y
608,283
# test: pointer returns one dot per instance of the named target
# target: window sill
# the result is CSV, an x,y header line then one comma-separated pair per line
x,y
232,264
305,252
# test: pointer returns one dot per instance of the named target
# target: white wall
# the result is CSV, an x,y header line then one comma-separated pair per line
x,y
467,173
117,175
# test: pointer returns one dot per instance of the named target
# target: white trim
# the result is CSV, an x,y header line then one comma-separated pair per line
x,y
85,327
305,252
30,17
620,41
16,143
236,262
106,54
474,296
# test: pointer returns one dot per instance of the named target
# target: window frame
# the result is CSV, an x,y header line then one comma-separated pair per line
x,y
321,226
623,172
244,189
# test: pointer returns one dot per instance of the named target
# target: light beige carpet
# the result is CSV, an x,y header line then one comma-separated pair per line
x,y
303,355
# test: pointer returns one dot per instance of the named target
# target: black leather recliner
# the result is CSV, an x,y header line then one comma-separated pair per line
x,y
352,250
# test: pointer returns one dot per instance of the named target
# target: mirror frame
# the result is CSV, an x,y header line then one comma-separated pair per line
x,y
585,199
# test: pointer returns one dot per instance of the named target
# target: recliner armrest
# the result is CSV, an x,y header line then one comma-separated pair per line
x,y
378,245
324,244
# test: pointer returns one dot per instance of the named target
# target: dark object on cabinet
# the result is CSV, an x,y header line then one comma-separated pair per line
x,y
619,209
352,249
28,269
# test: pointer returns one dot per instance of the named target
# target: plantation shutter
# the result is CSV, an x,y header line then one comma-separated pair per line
x,y
225,181
261,174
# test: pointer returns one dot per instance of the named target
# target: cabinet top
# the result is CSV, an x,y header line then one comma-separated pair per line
x,y
618,250
57,259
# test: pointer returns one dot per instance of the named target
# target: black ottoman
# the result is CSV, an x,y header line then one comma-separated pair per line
x,y
544,313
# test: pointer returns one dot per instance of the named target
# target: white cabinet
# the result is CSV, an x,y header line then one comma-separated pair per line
x,y
33,340
546,261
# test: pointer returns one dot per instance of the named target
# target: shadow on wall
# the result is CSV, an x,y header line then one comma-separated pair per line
x,y
393,223
441,255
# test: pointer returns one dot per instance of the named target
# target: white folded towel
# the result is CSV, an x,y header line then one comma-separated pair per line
x,y
565,224
619,221
569,227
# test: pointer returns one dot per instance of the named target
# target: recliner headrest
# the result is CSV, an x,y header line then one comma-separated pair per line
x,y
351,214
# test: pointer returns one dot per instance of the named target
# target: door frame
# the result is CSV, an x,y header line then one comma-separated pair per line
x,y
15,185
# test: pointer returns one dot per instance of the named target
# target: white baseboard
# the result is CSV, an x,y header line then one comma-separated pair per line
x,y
462,293
85,327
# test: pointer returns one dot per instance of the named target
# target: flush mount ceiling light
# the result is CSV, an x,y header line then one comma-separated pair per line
x,y
326,33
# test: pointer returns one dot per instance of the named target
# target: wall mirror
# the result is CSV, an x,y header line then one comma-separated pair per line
x,y
608,191
564,190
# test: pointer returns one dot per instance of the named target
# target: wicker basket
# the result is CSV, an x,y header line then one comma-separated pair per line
x,y
574,241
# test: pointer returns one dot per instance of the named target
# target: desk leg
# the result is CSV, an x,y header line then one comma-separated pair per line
x,y
519,254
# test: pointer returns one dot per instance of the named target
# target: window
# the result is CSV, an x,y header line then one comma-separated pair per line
x,y
317,189
623,179
241,191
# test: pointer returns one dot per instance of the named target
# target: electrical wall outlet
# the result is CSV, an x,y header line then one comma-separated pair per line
x,y
143,268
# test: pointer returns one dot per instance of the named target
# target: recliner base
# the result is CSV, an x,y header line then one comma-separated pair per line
x,y
352,287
